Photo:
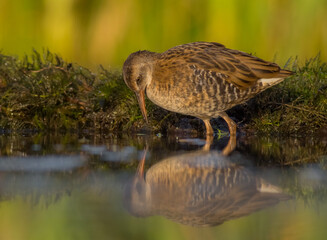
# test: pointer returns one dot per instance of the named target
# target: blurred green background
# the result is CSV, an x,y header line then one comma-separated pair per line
x,y
93,32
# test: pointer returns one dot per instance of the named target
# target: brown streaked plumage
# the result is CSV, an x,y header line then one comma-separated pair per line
x,y
200,188
200,79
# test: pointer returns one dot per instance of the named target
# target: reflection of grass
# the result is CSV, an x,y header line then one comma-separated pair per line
x,y
286,152
307,183
43,92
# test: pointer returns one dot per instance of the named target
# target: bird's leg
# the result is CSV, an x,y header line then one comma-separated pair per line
x,y
230,145
209,140
231,124
209,133
232,137
209,130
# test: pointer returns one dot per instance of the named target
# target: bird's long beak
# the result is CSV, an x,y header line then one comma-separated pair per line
x,y
140,99
140,167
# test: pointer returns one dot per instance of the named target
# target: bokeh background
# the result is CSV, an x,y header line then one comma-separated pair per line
x,y
93,32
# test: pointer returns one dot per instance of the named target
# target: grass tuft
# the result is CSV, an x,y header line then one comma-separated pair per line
x,y
42,92
297,106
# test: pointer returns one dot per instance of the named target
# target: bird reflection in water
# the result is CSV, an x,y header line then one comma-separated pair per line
x,y
201,188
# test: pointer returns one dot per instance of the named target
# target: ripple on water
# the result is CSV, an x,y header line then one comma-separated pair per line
x,y
41,163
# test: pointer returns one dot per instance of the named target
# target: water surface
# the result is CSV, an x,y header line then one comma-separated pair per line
x,y
153,187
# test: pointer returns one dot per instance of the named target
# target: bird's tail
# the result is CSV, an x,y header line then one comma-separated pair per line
x,y
285,73
269,82
271,190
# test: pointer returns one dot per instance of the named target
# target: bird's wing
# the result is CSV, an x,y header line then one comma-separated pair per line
x,y
239,68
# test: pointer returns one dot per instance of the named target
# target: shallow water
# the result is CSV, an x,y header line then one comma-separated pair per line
x,y
83,187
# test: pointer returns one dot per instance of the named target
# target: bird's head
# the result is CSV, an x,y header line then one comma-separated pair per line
x,y
137,73
137,198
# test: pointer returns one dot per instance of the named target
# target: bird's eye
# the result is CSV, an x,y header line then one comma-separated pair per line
x,y
138,80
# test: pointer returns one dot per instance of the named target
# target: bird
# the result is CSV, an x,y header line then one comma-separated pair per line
x,y
198,188
200,79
